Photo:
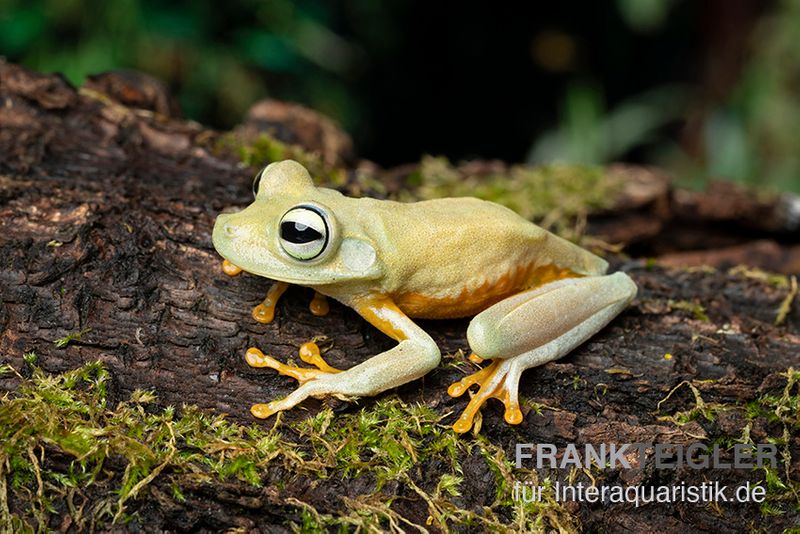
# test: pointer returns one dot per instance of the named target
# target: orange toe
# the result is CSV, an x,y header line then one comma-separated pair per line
x,y
256,358
319,305
494,383
230,269
265,312
309,353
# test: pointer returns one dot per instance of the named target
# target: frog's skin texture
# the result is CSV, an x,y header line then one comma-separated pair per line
x,y
535,296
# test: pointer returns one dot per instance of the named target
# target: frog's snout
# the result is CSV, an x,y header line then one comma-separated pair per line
x,y
224,231
223,225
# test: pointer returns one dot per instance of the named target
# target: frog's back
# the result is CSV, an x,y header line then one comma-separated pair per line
x,y
454,257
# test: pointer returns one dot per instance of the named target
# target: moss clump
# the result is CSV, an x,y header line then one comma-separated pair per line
x,y
63,444
553,195
68,414
386,440
394,441
69,338
781,412
697,310
780,281
708,411
266,149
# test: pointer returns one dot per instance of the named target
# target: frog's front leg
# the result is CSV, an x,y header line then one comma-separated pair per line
x,y
533,328
415,355
265,312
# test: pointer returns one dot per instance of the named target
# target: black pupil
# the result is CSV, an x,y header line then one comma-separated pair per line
x,y
255,185
299,233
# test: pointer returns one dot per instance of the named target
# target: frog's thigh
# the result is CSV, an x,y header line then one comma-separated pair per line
x,y
533,328
547,322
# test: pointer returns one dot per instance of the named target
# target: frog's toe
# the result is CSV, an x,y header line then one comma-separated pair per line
x,y
319,305
499,380
309,353
474,358
256,358
314,388
264,313
262,411
230,269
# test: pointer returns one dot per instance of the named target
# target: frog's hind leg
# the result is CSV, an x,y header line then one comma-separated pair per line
x,y
533,328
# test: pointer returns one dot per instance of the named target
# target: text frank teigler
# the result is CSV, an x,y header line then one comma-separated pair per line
x,y
635,455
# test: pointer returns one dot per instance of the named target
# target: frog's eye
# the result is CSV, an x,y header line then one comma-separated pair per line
x,y
256,183
304,233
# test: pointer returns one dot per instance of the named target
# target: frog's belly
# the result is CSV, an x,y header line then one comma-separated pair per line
x,y
465,301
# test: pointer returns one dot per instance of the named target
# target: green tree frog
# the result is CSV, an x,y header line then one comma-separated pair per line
x,y
534,296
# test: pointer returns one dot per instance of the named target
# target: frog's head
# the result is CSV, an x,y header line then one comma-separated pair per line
x,y
291,233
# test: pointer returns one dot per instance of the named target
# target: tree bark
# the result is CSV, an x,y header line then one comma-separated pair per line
x,y
106,214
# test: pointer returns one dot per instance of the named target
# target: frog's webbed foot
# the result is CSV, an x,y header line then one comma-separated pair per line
x,y
497,380
415,355
309,353
265,312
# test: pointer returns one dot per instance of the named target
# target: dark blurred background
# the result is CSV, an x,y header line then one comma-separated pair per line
x,y
706,88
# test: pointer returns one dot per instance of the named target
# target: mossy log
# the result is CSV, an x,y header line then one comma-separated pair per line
x,y
107,202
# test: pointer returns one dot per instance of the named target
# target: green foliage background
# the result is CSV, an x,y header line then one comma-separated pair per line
x,y
221,57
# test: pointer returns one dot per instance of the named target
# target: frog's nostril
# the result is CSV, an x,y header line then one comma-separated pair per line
x,y
229,230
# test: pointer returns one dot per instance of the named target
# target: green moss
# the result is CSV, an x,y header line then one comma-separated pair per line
x,y
708,411
387,440
545,514
774,279
786,304
115,453
783,491
68,414
697,310
266,149
779,281
69,338
776,412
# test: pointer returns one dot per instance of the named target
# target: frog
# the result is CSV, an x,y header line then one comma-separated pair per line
x,y
532,296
